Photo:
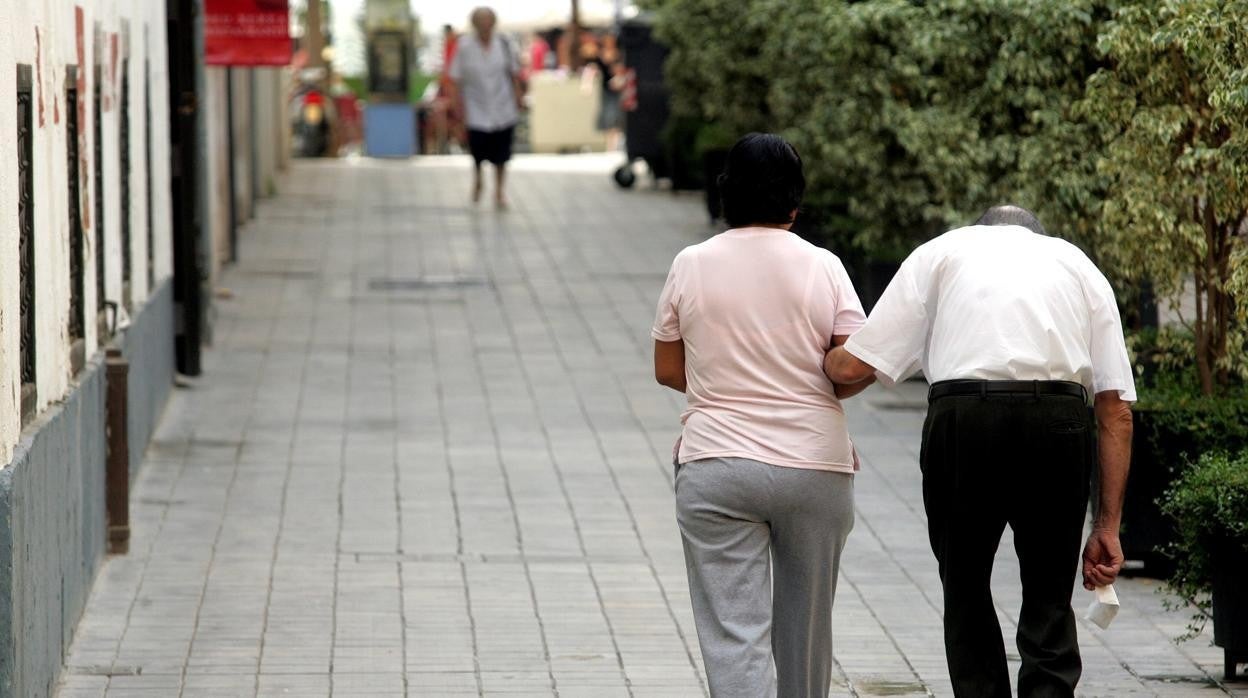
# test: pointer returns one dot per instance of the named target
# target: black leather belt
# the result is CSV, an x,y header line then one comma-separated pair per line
x,y
983,388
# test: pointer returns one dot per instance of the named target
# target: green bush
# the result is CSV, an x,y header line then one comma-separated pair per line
x,y
911,117
715,72
1124,125
1209,503
1174,414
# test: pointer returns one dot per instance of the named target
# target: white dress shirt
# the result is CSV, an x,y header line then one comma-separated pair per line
x,y
484,77
998,303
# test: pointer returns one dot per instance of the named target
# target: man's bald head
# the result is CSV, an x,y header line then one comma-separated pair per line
x,y
1009,214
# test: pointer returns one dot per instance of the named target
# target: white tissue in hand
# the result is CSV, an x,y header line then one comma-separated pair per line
x,y
1104,607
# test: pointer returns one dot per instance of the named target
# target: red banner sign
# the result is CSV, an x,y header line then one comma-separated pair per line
x,y
247,32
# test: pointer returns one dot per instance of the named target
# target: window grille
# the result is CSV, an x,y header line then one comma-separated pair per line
x,y
26,237
98,180
124,117
147,149
77,272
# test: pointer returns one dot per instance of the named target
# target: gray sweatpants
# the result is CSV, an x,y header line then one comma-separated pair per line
x,y
743,523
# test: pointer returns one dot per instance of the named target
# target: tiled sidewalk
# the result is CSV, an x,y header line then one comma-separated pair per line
x,y
428,458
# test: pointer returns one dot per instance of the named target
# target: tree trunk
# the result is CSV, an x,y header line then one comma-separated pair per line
x,y
574,31
1201,330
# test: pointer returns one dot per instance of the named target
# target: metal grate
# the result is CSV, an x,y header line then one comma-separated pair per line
x,y
124,117
147,149
77,275
425,283
98,162
26,225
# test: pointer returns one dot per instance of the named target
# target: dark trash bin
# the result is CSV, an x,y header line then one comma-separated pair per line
x,y
645,121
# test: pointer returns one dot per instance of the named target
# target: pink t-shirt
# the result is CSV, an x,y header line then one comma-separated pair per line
x,y
757,309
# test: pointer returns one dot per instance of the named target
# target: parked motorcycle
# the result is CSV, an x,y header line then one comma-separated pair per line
x,y
312,116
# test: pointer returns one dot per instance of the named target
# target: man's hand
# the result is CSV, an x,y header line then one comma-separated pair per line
x,y
1102,558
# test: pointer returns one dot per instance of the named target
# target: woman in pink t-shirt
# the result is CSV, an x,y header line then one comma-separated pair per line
x,y
765,467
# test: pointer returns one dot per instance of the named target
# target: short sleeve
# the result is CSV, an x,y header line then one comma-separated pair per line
x,y
834,305
1111,366
894,337
667,317
849,314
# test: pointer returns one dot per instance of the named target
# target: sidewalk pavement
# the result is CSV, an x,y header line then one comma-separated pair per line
x,y
428,458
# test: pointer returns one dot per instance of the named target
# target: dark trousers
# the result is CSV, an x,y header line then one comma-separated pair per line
x,y
1021,459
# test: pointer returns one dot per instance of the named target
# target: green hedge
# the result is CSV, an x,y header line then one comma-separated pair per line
x,y
1124,125
1209,505
911,117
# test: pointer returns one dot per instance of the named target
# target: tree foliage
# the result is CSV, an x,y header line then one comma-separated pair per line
x,y
715,71
910,116
1121,123
1174,103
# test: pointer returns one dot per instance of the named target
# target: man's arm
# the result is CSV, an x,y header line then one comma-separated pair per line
x,y
669,364
517,86
1102,556
843,368
846,390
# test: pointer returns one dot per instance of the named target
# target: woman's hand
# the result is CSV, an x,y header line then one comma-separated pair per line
x,y
845,391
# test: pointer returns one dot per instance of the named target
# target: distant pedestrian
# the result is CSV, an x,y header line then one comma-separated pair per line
x,y
1015,330
764,465
485,75
603,59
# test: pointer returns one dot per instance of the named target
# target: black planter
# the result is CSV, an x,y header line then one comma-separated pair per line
x,y
877,274
1156,459
1230,603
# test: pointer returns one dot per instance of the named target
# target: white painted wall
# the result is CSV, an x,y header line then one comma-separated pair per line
x,y
42,33
9,284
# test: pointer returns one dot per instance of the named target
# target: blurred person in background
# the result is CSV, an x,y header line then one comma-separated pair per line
x,y
486,81
602,58
446,120
539,52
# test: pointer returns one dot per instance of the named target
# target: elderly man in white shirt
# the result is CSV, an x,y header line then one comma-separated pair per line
x,y
1014,329
485,74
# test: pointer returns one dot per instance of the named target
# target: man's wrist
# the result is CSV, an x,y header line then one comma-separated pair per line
x,y
1110,525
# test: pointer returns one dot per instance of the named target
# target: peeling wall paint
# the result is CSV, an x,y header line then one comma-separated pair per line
x,y
51,35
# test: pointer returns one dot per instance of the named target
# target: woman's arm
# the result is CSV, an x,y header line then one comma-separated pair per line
x,y
847,390
669,364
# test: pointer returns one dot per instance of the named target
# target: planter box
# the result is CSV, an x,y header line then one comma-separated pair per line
x,y
877,275
1230,604
1156,460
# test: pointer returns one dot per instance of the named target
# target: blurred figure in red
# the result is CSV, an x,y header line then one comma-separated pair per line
x,y
350,116
539,52
446,122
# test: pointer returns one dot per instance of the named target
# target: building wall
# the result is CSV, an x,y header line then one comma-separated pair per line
x,y
49,554
51,35
260,153
52,519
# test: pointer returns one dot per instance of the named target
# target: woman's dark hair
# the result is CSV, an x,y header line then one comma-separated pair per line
x,y
762,181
